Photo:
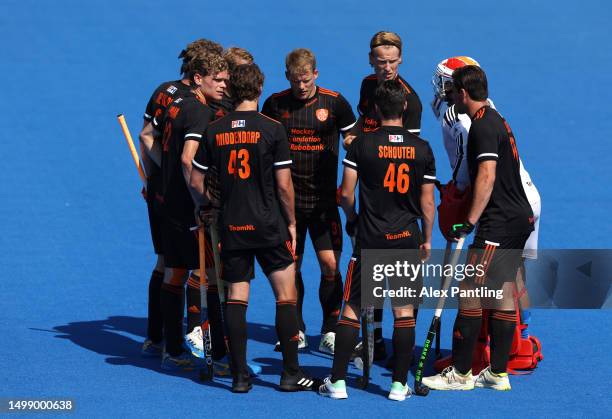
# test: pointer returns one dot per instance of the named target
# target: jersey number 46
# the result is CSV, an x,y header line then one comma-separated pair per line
x,y
397,178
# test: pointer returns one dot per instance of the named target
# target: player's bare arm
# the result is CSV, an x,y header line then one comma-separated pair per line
x,y
189,151
284,187
347,193
150,153
428,207
483,186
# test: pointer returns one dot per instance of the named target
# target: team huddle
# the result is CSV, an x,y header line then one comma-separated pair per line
x,y
227,184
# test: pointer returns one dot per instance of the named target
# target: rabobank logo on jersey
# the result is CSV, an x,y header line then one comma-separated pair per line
x,y
240,123
171,89
396,138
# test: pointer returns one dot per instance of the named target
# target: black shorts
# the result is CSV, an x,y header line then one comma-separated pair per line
x,y
324,226
179,245
239,265
155,216
498,258
352,283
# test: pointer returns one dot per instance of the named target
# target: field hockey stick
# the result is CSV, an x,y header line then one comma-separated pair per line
x,y
419,388
128,138
447,253
206,373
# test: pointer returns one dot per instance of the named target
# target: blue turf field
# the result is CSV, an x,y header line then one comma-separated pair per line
x,y
75,253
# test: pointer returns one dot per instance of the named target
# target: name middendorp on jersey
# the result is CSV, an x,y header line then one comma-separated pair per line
x,y
411,117
313,127
247,148
392,164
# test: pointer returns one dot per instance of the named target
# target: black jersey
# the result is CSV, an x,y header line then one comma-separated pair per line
x,y
247,147
159,101
508,212
162,97
313,127
222,107
411,117
392,164
185,119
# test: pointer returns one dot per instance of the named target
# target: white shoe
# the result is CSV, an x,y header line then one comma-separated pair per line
x,y
450,379
336,391
488,379
195,342
399,391
327,343
302,343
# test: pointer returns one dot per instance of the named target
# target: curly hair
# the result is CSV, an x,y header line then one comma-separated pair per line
x,y
196,47
247,82
206,63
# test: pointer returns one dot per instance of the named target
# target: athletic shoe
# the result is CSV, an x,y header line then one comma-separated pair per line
x,y
297,382
399,391
302,343
151,349
241,384
327,343
183,362
450,379
335,390
488,379
195,342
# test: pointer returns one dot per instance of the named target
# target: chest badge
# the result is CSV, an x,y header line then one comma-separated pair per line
x,y
322,114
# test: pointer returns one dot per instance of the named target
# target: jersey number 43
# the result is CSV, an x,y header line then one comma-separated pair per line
x,y
239,163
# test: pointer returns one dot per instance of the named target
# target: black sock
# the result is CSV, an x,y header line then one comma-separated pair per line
x,y
216,326
237,331
172,304
299,285
465,334
330,297
154,322
347,332
403,342
193,299
501,328
378,318
287,331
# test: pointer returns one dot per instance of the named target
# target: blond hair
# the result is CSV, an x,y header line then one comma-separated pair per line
x,y
298,61
386,38
234,56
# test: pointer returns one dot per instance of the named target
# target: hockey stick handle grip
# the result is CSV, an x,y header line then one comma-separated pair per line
x,y
448,278
130,141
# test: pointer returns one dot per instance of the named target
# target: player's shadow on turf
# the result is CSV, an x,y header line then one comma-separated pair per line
x,y
120,338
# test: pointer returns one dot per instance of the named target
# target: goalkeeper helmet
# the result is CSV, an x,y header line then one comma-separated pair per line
x,y
443,78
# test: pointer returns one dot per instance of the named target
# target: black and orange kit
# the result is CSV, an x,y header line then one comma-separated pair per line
x,y
507,220
313,128
411,117
186,119
163,96
393,164
247,148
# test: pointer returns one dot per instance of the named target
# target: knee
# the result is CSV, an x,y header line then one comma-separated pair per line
x,y
350,312
329,264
